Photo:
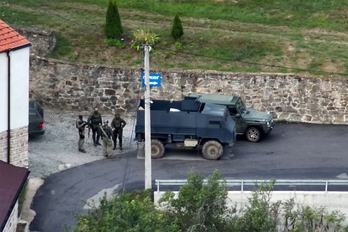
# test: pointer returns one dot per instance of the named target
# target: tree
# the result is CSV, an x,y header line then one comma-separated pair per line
x,y
177,29
199,206
113,27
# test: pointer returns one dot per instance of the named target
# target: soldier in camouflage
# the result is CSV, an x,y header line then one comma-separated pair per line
x,y
117,125
95,121
106,137
80,125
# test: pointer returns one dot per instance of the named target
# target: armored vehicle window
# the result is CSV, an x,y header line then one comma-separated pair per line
x,y
213,109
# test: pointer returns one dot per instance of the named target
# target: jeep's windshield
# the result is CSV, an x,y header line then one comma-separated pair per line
x,y
212,109
241,106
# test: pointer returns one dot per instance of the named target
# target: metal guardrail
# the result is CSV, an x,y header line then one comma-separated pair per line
x,y
242,183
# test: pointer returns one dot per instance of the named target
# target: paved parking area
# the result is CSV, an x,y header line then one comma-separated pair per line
x,y
57,149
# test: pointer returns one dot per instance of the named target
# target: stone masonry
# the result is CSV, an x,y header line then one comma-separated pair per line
x,y
19,147
43,41
66,86
11,224
3,146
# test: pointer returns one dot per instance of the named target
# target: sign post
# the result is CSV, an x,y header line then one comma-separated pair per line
x,y
154,79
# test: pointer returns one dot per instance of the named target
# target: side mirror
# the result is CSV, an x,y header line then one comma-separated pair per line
x,y
238,115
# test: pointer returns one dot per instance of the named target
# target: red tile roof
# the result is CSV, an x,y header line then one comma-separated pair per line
x,y
9,38
12,179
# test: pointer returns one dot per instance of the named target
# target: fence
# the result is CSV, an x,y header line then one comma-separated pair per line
x,y
242,183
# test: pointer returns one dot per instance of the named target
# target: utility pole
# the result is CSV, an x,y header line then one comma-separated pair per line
x,y
148,177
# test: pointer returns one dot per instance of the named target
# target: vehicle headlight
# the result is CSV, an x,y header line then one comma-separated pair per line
x,y
268,124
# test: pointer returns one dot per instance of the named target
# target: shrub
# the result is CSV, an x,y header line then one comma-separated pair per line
x,y
144,37
114,42
177,29
113,27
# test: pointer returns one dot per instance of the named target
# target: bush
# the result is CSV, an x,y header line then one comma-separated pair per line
x,y
199,206
202,206
144,37
177,29
129,212
113,27
114,42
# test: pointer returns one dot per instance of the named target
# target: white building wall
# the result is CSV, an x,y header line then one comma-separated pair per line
x,y
3,91
19,88
19,106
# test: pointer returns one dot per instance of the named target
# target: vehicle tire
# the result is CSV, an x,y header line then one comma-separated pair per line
x,y
157,149
212,150
253,134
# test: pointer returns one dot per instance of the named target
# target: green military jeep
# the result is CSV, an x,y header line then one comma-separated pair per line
x,y
251,123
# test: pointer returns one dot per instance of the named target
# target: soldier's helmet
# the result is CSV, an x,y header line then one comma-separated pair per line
x,y
106,122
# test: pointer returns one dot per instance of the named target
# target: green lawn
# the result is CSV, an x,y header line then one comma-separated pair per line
x,y
251,35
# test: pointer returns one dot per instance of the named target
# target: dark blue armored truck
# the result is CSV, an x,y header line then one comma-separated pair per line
x,y
187,124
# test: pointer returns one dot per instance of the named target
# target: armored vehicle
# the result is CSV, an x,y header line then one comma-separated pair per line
x,y
251,123
187,124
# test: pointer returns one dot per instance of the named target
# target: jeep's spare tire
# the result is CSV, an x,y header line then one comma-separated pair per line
x,y
157,149
212,150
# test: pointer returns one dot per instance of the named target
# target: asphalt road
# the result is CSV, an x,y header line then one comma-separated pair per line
x,y
291,151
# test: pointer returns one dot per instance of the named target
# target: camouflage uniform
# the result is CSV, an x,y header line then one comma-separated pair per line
x,y
94,121
117,125
106,137
80,125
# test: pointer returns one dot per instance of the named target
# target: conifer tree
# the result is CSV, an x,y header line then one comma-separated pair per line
x,y
113,26
177,29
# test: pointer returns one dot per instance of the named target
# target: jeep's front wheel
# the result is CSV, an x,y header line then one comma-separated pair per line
x,y
253,134
212,150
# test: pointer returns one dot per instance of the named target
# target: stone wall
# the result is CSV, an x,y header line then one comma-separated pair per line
x,y
3,146
43,41
19,147
61,85
11,224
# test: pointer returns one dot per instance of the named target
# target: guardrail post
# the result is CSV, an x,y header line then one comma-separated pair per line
x,y
241,186
326,185
157,183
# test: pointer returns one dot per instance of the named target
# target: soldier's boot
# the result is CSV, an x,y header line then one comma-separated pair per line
x,y
121,146
98,143
114,147
82,150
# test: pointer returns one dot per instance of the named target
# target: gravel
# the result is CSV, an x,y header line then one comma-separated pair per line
x,y
57,149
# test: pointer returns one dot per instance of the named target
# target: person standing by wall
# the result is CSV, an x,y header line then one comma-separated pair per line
x,y
95,121
117,125
80,125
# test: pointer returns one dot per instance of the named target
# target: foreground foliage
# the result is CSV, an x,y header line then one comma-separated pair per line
x,y
202,205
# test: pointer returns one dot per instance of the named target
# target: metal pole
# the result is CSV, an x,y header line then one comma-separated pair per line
x,y
148,178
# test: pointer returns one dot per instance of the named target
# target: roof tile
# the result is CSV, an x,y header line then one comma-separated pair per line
x,y
9,38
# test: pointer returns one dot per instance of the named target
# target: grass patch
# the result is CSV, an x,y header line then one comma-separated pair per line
x,y
218,35
62,48
239,49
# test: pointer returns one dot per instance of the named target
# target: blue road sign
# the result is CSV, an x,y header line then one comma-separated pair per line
x,y
155,79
